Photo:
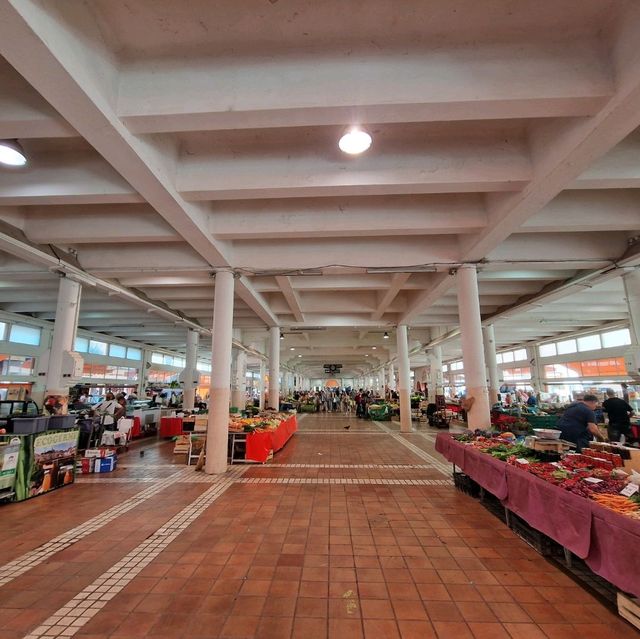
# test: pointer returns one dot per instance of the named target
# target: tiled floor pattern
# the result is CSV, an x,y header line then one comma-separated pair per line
x,y
441,465
25,562
300,558
70,618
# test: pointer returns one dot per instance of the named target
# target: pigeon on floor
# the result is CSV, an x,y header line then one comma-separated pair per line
x,y
347,427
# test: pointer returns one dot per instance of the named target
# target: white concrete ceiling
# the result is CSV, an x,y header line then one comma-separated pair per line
x,y
168,139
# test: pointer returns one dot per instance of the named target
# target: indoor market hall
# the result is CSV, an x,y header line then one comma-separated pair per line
x,y
319,320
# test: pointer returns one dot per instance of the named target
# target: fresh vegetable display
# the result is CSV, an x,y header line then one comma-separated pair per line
x,y
593,474
263,423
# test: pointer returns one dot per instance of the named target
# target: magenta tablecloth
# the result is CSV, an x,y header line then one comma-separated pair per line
x,y
553,511
615,548
450,449
608,542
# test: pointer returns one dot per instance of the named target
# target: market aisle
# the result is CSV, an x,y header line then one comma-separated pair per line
x,y
358,555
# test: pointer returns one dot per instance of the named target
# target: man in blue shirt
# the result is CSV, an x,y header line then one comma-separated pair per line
x,y
578,422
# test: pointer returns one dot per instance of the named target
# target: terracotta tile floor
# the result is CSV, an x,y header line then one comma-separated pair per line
x,y
226,559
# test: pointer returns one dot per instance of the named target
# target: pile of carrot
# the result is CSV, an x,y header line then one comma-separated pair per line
x,y
618,503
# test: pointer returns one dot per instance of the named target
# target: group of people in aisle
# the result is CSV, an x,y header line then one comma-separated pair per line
x,y
347,401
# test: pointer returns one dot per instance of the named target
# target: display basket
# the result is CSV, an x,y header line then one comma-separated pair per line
x,y
61,422
29,425
542,421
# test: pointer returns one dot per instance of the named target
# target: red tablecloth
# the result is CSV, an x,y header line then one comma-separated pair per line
x,y
170,426
607,541
136,431
260,445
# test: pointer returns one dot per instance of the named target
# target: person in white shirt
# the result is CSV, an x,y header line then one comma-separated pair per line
x,y
109,410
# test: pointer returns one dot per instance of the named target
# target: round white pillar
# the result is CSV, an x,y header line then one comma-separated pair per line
x,y
218,423
383,381
239,382
64,334
274,368
478,416
190,373
489,340
434,373
404,387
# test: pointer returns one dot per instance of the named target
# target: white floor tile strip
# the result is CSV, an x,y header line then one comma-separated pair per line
x,y
374,466
443,467
343,481
337,431
69,619
25,562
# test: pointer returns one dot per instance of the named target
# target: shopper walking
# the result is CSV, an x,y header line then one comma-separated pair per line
x,y
619,413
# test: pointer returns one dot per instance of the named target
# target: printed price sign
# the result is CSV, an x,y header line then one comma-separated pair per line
x,y
630,489
593,480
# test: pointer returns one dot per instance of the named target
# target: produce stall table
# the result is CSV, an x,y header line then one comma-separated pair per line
x,y
260,445
607,541
170,427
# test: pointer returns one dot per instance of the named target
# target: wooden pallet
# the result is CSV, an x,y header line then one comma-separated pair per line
x,y
629,609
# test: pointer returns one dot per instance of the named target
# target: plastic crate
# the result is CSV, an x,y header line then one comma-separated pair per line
x,y
542,421
61,422
29,425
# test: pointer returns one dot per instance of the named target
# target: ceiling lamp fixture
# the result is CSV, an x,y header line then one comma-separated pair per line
x,y
292,349
355,141
373,348
386,335
281,335
299,355
11,153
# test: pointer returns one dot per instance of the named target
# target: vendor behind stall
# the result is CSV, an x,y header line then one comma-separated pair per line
x,y
578,422
619,413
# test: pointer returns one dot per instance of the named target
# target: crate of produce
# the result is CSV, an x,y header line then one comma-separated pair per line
x,y
29,425
379,412
61,422
542,421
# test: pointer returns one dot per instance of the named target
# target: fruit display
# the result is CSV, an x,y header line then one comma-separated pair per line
x,y
592,474
261,423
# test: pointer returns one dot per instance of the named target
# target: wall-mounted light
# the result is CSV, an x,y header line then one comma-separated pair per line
x,y
386,335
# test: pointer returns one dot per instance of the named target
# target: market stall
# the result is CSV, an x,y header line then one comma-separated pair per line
x,y
256,439
575,501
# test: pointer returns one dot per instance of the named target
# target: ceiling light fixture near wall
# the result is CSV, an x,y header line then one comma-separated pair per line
x,y
355,141
281,335
299,355
373,348
386,335
11,153
292,349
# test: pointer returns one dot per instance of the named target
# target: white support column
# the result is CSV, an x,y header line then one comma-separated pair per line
x,y
62,340
218,424
145,362
274,367
472,349
190,375
632,293
536,370
383,380
239,381
493,378
404,389
261,384
434,374
391,383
